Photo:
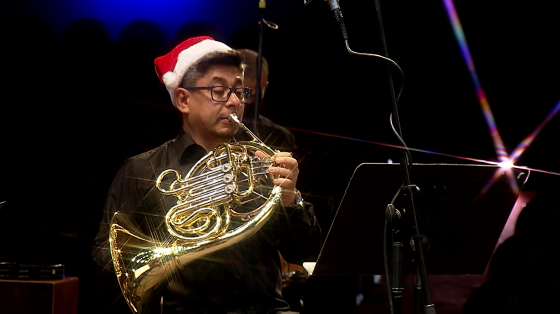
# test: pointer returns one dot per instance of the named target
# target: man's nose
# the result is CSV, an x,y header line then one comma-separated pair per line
x,y
233,100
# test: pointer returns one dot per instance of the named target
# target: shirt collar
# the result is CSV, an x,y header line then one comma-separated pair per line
x,y
182,142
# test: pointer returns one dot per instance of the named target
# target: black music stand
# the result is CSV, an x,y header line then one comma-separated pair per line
x,y
468,227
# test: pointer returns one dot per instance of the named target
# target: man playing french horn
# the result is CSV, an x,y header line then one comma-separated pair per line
x,y
195,225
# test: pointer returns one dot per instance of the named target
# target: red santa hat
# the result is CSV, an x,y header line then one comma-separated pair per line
x,y
171,68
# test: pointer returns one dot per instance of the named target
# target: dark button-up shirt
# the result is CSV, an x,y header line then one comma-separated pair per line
x,y
241,278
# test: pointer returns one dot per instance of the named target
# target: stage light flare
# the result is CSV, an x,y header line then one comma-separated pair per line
x,y
506,164
488,162
506,161
520,149
481,95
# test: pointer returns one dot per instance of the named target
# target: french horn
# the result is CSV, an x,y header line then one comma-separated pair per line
x,y
207,217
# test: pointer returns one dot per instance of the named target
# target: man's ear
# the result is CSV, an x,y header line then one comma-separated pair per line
x,y
182,99
263,88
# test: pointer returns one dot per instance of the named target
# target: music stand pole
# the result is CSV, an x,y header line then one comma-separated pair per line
x,y
409,195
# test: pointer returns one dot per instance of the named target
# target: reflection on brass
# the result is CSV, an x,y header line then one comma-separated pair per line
x,y
211,213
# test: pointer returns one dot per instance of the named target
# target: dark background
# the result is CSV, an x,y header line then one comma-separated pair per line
x,y
79,96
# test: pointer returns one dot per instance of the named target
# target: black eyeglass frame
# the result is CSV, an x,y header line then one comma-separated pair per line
x,y
246,90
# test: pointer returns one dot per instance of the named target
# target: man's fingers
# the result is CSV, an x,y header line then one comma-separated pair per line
x,y
284,172
260,154
285,183
285,162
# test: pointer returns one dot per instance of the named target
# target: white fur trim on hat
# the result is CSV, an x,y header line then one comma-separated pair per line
x,y
186,59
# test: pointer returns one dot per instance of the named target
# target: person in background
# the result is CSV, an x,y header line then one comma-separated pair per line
x,y
274,135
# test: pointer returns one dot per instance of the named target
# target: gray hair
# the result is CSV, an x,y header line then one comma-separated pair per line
x,y
199,69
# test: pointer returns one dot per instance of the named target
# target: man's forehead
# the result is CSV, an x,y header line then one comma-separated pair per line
x,y
223,74
225,78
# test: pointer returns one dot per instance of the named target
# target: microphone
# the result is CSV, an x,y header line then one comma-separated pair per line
x,y
335,8
333,4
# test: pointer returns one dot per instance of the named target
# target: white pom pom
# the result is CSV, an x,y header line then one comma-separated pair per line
x,y
170,80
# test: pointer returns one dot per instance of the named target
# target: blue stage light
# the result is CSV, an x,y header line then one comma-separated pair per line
x,y
170,15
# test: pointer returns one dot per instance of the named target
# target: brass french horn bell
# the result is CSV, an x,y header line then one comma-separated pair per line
x,y
210,214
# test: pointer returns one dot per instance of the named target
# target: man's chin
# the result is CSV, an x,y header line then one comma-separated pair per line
x,y
227,134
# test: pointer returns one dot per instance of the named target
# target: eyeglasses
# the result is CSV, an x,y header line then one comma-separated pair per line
x,y
222,93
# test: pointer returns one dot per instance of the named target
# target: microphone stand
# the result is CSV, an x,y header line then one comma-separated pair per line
x,y
406,214
262,6
258,95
